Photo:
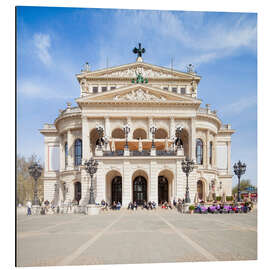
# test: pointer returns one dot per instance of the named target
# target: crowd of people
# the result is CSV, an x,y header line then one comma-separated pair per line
x,y
243,207
180,205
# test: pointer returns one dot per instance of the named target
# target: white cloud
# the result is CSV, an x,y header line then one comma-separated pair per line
x,y
199,38
240,105
31,88
42,44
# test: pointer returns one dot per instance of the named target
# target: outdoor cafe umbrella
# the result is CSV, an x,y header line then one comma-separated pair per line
x,y
113,145
140,145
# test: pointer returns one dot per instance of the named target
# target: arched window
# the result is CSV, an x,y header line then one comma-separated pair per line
x,y
199,151
161,134
210,152
66,154
118,133
139,133
78,152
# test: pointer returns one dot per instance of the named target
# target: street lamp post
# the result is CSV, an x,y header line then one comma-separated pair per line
x,y
91,168
239,169
100,130
178,131
35,171
153,130
126,129
187,167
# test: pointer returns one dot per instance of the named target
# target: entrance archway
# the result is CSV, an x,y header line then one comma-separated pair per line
x,y
163,189
77,191
117,189
139,190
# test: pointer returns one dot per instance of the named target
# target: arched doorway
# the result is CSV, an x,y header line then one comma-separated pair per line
x,y
163,188
117,189
77,191
139,190
200,190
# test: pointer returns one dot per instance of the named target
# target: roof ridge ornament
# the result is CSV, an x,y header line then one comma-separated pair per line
x,y
86,67
139,52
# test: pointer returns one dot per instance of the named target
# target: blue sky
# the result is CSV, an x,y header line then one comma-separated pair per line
x,y
54,43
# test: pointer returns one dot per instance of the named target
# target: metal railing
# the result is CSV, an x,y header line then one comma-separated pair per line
x,y
165,153
138,153
113,154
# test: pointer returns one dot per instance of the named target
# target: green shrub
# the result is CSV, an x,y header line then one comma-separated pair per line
x,y
218,198
191,207
229,198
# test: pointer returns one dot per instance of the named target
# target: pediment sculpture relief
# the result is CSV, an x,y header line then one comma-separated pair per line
x,y
139,95
133,72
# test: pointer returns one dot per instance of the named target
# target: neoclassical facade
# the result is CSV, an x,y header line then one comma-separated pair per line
x,y
138,165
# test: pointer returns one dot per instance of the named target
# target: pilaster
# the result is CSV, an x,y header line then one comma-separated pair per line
x,y
126,184
153,182
107,127
100,183
192,139
229,157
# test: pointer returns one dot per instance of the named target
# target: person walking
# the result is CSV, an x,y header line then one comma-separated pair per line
x,y
29,206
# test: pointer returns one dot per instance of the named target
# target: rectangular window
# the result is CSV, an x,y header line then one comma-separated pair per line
x,y
174,89
113,87
95,89
183,90
104,88
166,88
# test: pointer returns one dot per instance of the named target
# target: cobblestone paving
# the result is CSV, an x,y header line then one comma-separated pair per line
x,y
135,237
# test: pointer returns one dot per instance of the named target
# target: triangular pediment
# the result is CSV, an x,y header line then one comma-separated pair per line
x,y
130,71
138,93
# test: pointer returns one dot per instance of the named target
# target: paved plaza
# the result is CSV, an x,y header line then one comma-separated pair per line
x,y
125,237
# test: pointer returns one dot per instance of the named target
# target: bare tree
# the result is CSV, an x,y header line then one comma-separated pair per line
x,y
24,182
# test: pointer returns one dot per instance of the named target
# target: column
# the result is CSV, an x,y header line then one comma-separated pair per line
x,y
62,152
172,127
85,140
192,139
129,122
107,127
229,157
126,184
153,182
70,150
150,123
207,149
205,154
214,153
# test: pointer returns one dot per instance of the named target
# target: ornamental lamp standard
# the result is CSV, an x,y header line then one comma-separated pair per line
x,y
35,171
126,129
178,131
187,167
239,169
153,130
100,130
91,168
